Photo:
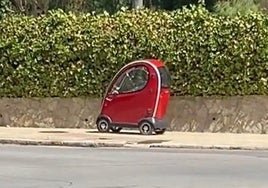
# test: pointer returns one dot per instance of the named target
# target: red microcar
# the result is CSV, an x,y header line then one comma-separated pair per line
x,y
137,97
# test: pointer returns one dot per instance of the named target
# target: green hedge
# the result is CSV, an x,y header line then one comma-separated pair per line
x,y
67,55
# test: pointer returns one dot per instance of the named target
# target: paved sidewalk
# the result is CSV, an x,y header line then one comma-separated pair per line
x,y
131,139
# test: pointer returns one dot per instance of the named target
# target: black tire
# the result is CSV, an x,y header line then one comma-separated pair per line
x,y
159,131
103,125
115,129
146,128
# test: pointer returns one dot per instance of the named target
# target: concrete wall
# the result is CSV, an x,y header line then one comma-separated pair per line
x,y
247,114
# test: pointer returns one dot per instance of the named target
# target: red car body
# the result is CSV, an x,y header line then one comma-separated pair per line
x,y
137,96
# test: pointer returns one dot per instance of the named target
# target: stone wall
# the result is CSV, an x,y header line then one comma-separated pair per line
x,y
247,114
49,112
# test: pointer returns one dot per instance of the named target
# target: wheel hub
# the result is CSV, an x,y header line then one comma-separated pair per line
x,y
103,125
146,128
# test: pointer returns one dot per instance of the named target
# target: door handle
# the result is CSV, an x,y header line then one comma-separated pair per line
x,y
108,99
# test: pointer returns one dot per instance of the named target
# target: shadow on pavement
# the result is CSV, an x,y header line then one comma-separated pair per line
x,y
120,133
53,131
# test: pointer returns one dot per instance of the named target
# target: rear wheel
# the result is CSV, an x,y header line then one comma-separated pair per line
x,y
115,129
103,125
146,128
159,131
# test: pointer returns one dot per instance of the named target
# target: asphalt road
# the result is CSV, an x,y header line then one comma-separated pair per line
x,y
55,167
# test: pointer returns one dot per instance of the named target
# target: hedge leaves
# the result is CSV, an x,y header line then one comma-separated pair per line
x,y
67,55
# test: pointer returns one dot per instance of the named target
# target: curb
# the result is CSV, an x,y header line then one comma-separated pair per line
x,y
215,147
60,143
94,144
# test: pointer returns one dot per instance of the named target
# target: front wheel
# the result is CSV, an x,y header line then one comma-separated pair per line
x,y
103,125
146,128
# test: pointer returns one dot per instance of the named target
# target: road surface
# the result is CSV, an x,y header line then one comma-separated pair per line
x,y
63,167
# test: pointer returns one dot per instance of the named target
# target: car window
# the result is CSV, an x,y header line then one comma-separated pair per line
x,y
165,77
132,80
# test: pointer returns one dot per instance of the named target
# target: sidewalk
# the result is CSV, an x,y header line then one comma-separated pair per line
x,y
131,139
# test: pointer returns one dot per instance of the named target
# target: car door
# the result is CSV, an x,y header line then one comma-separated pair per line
x,y
131,96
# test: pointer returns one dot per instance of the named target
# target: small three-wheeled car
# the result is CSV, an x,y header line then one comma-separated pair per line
x,y
137,97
